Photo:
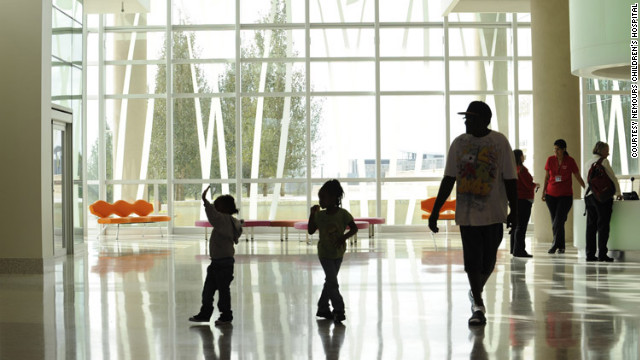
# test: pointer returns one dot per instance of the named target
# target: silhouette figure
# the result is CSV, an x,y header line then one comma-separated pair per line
x,y
331,341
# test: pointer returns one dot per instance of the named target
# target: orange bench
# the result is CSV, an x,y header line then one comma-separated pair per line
x,y
123,212
447,212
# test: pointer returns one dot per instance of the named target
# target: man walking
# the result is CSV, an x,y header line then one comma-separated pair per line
x,y
481,162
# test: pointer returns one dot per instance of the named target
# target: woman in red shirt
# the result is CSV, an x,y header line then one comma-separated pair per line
x,y
526,188
558,192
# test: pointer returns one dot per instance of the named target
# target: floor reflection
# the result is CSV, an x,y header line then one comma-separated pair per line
x,y
223,351
560,328
131,299
332,336
478,351
599,318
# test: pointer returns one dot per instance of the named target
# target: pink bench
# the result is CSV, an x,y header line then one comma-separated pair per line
x,y
246,223
372,221
284,226
304,225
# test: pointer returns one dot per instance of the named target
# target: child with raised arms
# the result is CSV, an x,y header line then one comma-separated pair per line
x,y
226,232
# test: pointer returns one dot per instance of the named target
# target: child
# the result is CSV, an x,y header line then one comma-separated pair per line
x,y
331,223
226,231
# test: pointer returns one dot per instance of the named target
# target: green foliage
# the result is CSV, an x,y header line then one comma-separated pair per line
x,y
185,139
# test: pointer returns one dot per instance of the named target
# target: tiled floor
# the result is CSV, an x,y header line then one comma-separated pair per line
x,y
130,299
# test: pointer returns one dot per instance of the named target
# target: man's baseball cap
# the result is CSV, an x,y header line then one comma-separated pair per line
x,y
478,109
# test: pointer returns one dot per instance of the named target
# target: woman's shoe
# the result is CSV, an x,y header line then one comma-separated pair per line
x,y
552,250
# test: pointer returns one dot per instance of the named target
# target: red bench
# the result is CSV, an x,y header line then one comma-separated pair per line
x,y
284,226
304,225
246,223
372,221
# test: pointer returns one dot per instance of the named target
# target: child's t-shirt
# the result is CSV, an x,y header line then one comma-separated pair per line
x,y
331,227
226,231
480,166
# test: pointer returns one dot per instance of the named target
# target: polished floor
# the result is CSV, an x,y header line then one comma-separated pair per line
x,y
405,299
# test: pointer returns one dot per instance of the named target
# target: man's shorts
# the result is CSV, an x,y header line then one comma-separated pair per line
x,y
480,247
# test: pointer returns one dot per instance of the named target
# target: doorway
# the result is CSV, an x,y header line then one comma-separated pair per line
x,y
61,181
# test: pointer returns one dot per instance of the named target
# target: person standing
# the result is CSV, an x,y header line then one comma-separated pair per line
x,y
331,223
557,191
526,188
225,234
599,213
481,163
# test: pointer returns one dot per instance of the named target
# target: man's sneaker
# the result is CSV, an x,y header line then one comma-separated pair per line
x,y
477,319
222,321
200,318
339,317
327,314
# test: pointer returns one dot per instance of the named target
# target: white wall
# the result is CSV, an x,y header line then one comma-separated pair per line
x,y
25,131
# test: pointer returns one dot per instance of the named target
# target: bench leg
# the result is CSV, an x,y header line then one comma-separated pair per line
x,y
118,232
286,233
103,230
371,230
251,234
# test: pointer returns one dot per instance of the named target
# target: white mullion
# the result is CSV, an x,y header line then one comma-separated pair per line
x,y
203,140
307,96
83,121
286,120
238,110
391,191
169,116
102,154
516,82
257,129
146,148
487,64
333,116
616,104
413,194
602,133
364,203
122,123
345,35
376,31
222,151
447,91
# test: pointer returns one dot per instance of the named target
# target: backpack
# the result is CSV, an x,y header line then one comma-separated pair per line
x,y
599,182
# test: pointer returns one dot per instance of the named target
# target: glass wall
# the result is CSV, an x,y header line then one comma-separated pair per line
x,y
268,99
606,106
66,90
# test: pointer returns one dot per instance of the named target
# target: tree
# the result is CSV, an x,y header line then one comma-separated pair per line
x,y
185,142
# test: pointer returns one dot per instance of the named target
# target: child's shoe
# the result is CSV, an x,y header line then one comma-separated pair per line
x,y
224,319
338,317
327,314
200,318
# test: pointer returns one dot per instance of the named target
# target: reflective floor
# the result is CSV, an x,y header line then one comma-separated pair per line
x,y
405,299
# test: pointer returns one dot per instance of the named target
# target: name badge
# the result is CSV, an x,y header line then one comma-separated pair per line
x,y
558,178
